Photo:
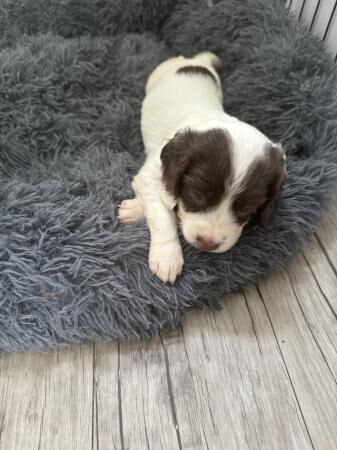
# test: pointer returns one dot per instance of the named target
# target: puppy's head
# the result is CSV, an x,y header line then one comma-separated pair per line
x,y
213,197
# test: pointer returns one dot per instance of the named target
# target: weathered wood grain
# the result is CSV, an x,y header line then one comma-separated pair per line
x,y
290,302
148,410
232,387
315,287
46,400
107,408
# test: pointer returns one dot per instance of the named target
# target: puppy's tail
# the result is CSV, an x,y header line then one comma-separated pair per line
x,y
210,59
207,59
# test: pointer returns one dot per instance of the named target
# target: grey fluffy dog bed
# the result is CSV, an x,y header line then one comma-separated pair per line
x,y
72,76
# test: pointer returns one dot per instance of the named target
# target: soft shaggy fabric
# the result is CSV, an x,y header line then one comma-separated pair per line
x,y
72,75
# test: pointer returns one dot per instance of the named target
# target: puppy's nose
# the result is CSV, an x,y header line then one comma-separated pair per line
x,y
206,243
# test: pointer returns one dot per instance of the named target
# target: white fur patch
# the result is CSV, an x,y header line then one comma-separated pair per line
x,y
218,225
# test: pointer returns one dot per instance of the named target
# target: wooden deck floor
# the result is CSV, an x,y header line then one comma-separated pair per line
x,y
260,374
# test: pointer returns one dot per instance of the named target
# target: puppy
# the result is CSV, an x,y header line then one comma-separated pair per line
x,y
205,169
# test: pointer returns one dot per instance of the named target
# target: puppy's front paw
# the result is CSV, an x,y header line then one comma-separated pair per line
x,y
130,211
166,260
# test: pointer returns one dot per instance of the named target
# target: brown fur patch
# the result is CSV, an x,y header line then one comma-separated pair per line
x,y
197,70
197,168
261,186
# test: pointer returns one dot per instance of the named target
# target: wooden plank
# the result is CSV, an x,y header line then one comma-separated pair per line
x,y
327,235
147,406
308,278
107,412
194,414
310,374
46,400
21,401
231,386
323,15
324,275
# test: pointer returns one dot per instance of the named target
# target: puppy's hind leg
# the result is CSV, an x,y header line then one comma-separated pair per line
x,y
130,211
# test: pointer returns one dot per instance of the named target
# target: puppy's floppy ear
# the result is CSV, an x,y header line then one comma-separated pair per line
x,y
175,158
275,175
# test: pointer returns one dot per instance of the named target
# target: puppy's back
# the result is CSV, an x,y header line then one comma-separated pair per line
x,y
177,92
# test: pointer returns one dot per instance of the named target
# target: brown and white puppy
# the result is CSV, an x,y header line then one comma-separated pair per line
x,y
205,169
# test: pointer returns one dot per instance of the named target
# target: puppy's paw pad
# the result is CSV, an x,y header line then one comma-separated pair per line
x,y
130,211
166,261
